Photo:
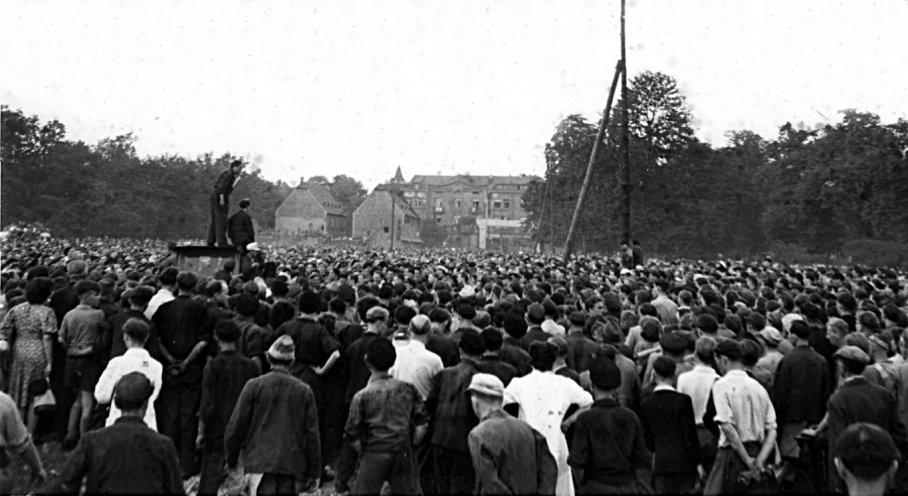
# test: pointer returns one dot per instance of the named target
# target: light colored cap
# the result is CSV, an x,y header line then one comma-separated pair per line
x,y
487,384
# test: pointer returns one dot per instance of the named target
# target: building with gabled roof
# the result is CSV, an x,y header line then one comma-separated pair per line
x,y
311,209
385,220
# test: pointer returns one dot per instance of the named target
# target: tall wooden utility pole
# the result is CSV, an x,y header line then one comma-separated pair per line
x,y
603,124
626,184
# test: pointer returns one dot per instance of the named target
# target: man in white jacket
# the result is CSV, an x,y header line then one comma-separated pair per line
x,y
136,359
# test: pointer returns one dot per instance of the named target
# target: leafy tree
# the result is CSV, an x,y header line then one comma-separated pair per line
x,y
432,233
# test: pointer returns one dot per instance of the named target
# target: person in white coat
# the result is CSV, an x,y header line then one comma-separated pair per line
x,y
544,398
136,359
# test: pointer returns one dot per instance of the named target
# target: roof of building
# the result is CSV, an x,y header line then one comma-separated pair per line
x,y
401,203
439,180
321,194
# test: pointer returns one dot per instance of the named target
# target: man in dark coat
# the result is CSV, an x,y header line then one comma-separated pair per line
x,y
239,227
184,332
453,419
506,452
125,458
220,203
857,400
668,422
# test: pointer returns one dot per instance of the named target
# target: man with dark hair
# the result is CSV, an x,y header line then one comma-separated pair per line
x,y
747,422
439,342
222,382
543,400
168,281
126,457
501,446
801,387
491,363
185,332
275,425
376,318
387,418
608,452
453,418
135,359
138,299
251,343
79,334
856,400
535,317
219,203
668,421
316,350
581,349
512,350
239,227
866,458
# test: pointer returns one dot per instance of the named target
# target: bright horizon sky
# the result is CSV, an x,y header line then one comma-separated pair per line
x,y
304,88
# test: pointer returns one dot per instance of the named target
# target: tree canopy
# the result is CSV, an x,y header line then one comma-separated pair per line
x,y
817,188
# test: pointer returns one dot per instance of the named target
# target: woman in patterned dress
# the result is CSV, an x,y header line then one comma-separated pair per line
x,y
30,327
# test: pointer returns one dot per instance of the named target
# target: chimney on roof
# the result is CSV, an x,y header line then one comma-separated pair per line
x,y
302,182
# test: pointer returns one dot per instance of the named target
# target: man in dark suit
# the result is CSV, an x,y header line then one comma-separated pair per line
x,y
668,423
580,348
125,458
239,227
535,317
220,203
857,400
800,389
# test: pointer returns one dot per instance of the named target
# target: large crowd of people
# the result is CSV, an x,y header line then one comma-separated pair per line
x,y
449,372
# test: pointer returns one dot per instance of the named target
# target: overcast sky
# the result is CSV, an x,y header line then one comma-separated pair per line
x,y
329,87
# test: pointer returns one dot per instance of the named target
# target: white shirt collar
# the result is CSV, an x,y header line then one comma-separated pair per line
x,y
663,387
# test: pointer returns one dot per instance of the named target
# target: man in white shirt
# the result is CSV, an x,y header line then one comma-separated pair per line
x,y
136,359
697,383
414,363
667,309
168,280
747,423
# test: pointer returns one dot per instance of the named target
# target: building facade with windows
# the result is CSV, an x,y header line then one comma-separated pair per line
x,y
449,199
310,209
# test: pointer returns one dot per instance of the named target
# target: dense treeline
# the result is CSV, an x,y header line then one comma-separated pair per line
x,y
77,189
820,190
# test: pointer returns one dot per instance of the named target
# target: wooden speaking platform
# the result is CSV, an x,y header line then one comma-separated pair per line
x,y
204,260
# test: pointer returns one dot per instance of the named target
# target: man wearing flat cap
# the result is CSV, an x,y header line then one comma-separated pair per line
x,y
857,400
275,426
126,457
506,452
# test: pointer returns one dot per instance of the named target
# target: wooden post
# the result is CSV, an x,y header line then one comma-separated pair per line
x,y
569,242
626,184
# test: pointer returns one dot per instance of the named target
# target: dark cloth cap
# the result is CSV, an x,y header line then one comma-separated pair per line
x,y
515,326
673,343
381,354
866,450
492,339
471,342
227,330
611,301
133,388
466,311
604,373
85,286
